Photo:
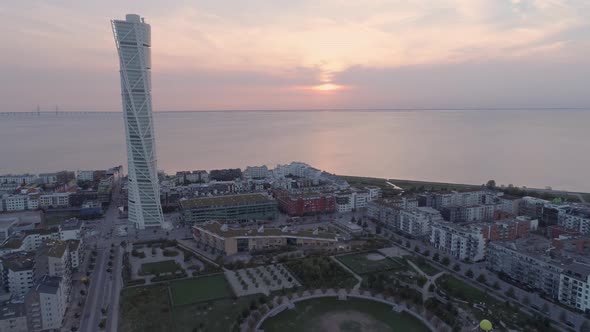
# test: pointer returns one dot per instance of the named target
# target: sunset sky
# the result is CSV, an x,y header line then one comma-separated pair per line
x,y
344,54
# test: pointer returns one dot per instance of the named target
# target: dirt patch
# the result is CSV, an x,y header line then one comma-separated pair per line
x,y
348,321
375,257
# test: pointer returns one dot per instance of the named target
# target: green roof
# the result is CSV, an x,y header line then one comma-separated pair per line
x,y
203,202
215,228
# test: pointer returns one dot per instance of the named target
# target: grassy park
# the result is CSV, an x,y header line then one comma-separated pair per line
x,y
423,265
363,264
169,266
188,291
331,314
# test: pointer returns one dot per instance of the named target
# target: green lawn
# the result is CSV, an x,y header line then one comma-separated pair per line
x,y
169,266
424,265
360,264
145,309
219,315
496,311
350,315
200,289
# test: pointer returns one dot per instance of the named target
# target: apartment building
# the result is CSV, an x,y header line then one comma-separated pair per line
x,y
17,272
13,317
18,178
471,213
527,263
305,204
574,286
418,222
573,218
256,172
46,303
509,204
464,243
54,200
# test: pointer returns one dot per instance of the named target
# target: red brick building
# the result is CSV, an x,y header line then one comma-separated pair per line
x,y
305,204
508,229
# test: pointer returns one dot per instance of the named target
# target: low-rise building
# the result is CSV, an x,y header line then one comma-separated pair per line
x,y
229,208
71,229
230,241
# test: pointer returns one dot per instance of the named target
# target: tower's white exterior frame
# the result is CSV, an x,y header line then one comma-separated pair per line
x,y
133,41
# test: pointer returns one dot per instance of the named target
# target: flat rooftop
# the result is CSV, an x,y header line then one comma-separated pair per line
x,y
216,228
21,261
215,201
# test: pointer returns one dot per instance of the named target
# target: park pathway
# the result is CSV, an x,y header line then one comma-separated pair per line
x,y
356,276
429,280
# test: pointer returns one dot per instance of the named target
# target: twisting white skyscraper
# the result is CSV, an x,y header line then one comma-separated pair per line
x,y
133,40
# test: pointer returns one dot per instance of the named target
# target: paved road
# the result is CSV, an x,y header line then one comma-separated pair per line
x,y
104,286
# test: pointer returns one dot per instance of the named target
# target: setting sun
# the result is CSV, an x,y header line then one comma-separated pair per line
x,y
327,87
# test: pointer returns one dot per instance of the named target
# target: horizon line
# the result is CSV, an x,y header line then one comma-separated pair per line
x,y
310,110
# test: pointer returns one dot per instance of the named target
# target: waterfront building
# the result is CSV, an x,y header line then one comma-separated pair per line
x,y
229,241
133,41
229,208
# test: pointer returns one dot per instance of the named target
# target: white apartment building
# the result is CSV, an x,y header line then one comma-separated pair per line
x,y
459,242
14,203
55,200
17,272
48,178
256,172
19,178
414,223
574,286
71,229
574,219
509,204
46,304
85,175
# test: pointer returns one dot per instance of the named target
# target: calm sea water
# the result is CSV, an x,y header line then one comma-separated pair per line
x,y
536,148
